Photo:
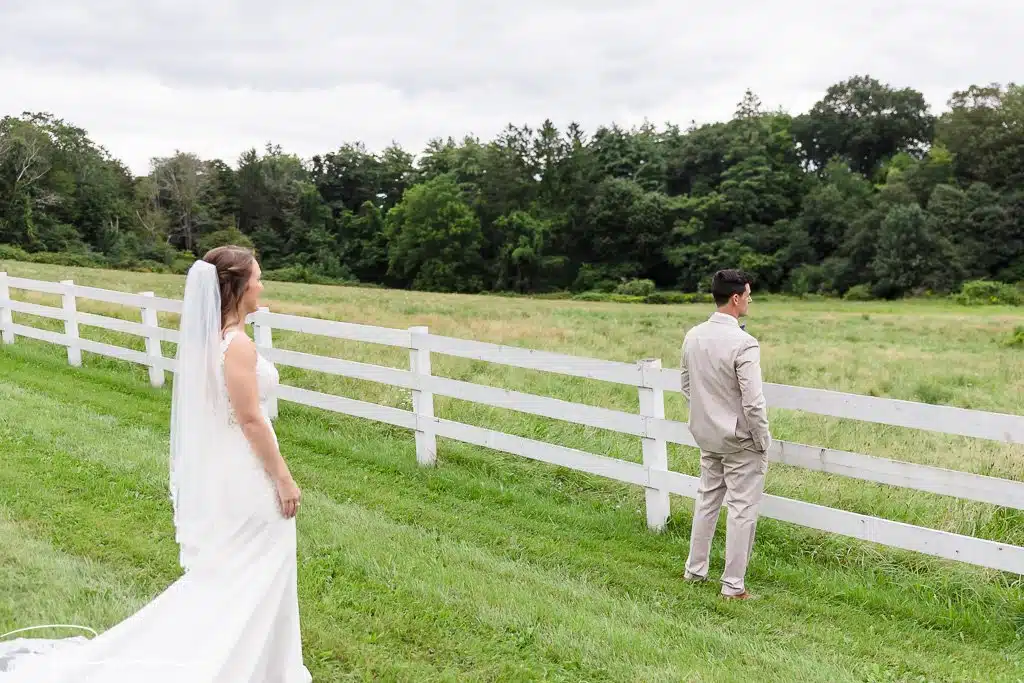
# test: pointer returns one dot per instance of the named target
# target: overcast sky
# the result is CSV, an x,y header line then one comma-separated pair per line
x,y
146,77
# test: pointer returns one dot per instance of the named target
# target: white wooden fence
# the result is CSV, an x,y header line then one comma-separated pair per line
x,y
650,425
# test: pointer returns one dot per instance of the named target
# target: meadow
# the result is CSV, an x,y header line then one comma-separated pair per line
x,y
491,567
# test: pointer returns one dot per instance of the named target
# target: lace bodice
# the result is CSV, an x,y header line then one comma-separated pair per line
x,y
266,380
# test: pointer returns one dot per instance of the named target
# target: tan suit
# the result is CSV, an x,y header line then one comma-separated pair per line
x,y
721,379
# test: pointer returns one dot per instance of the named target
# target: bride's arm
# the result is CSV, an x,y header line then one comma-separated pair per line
x,y
243,392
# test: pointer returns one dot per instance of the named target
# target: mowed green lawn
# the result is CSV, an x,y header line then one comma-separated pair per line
x,y
491,567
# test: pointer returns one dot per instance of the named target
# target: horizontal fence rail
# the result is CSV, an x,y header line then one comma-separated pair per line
x,y
649,424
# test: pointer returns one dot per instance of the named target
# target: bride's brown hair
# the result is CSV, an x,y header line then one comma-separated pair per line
x,y
234,268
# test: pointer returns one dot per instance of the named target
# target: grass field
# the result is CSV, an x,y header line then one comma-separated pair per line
x,y
495,568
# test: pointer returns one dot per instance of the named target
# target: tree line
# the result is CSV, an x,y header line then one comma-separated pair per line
x,y
867,190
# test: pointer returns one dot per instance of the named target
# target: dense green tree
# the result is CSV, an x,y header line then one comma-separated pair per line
x,y
984,130
864,122
910,255
363,243
435,238
525,262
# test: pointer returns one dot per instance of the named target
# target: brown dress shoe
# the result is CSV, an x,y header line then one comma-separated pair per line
x,y
741,596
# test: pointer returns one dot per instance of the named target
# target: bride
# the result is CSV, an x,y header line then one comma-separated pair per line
x,y
233,617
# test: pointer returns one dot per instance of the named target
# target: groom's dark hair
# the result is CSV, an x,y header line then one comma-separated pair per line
x,y
234,267
725,283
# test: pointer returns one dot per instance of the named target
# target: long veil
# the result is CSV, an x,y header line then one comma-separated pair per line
x,y
196,409
197,425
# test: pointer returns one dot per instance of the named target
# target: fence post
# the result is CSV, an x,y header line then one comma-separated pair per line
x,y
153,348
264,339
5,312
71,323
422,401
655,451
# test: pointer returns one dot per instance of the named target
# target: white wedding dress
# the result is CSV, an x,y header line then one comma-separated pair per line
x,y
233,617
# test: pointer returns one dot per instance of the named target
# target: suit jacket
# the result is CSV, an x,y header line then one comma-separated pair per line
x,y
721,379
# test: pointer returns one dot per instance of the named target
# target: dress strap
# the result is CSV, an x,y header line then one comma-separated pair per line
x,y
226,341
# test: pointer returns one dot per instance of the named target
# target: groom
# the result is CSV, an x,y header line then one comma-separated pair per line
x,y
721,379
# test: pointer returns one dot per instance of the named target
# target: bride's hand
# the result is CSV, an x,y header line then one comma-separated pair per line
x,y
290,497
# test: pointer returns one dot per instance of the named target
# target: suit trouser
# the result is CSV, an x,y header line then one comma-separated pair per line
x,y
738,480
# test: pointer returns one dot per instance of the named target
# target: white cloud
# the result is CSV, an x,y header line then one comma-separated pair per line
x,y
216,76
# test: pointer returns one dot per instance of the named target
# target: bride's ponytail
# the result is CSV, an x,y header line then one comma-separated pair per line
x,y
234,267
